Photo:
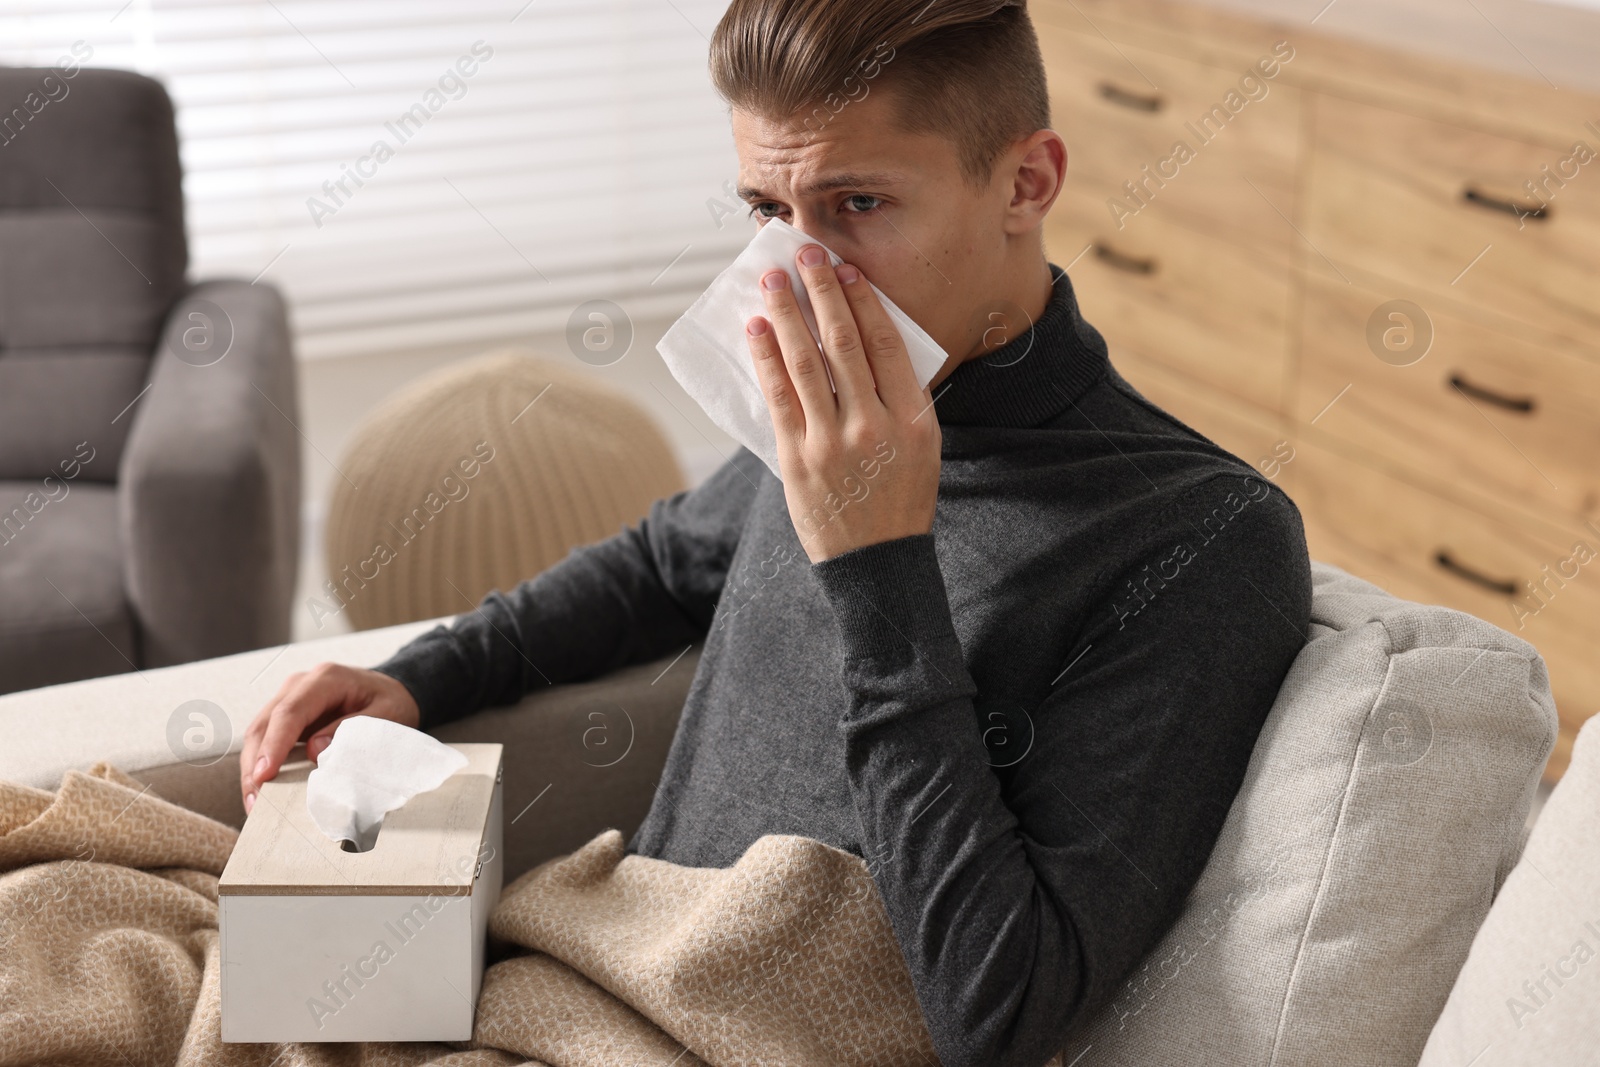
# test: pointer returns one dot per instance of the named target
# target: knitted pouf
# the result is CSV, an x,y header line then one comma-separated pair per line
x,y
479,476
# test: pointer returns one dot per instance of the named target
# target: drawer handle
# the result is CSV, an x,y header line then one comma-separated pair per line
x,y
1122,261
1151,102
1510,403
1511,207
1494,585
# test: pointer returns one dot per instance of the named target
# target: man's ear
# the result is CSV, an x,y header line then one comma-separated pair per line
x,y
1037,166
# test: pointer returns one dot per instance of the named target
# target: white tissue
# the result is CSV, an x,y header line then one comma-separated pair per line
x,y
371,767
707,352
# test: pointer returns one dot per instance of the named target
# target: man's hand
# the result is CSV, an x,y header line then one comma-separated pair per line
x,y
309,706
860,466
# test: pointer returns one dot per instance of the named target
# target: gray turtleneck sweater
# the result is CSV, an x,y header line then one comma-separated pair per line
x,y
1031,722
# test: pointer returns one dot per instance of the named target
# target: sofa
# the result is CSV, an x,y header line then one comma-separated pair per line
x,y
1374,897
149,458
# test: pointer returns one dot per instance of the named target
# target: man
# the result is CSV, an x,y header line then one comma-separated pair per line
x,y
1010,638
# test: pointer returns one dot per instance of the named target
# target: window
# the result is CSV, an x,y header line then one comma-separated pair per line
x,y
415,173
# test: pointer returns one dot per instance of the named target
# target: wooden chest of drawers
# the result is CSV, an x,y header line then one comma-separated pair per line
x,y
1382,266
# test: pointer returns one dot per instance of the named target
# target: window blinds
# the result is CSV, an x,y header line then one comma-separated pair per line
x,y
414,173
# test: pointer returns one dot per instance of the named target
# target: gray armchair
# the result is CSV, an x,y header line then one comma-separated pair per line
x,y
149,459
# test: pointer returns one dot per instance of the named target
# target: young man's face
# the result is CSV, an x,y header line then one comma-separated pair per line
x,y
896,205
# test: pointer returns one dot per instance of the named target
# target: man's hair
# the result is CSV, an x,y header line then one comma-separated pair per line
x,y
969,70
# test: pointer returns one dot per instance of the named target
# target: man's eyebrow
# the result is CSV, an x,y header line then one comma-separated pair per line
x,y
830,183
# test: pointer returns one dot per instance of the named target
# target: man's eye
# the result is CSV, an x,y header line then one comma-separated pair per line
x,y
757,213
860,209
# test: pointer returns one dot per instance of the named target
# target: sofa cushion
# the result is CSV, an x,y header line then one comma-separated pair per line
x,y
1529,989
64,614
57,405
92,257
1383,806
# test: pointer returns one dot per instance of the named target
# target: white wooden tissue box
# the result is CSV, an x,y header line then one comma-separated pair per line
x,y
320,944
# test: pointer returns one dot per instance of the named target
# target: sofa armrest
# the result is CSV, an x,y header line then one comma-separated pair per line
x,y
1525,989
579,758
209,487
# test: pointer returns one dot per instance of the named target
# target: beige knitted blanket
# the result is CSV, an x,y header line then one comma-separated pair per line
x,y
109,952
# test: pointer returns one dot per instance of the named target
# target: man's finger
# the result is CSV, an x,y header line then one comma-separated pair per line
x,y
249,752
320,692
247,759
807,371
323,738
836,324
886,351
783,404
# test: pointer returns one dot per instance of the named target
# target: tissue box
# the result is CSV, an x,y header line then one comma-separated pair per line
x,y
320,944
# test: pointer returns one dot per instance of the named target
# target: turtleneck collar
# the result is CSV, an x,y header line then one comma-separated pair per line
x,y
1033,377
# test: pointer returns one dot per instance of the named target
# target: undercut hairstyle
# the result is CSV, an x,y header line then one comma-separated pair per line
x,y
968,70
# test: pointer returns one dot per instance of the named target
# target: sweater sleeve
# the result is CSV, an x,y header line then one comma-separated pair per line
x,y
643,592
1024,890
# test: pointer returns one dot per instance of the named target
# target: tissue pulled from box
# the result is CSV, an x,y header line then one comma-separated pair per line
x,y
371,767
707,353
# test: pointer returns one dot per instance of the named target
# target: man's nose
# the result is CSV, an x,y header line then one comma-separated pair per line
x,y
814,227
808,224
